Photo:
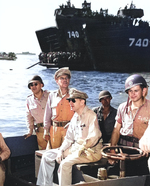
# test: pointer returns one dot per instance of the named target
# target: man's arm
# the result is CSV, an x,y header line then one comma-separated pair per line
x,y
114,139
144,142
47,117
5,150
29,121
115,134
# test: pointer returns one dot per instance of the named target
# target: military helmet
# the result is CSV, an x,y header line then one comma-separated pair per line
x,y
104,94
34,79
134,80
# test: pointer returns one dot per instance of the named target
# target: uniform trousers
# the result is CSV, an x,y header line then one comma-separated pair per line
x,y
41,141
57,135
45,175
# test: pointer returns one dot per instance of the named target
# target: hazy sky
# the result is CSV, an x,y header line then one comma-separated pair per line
x,y
19,19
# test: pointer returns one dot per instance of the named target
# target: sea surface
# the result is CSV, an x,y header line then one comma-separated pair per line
x,y
14,77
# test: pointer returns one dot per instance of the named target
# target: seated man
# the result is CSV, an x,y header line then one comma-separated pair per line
x,y
106,115
4,154
81,145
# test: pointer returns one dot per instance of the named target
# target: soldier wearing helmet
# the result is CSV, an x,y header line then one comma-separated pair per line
x,y
132,119
35,107
58,113
106,115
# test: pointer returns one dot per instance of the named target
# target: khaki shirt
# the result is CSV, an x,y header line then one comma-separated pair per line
x,y
133,126
57,108
35,110
83,129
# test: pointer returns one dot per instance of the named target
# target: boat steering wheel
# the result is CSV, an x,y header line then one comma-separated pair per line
x,y
121,152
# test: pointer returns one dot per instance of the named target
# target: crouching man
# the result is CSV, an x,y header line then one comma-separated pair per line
x,y
4,154
82,143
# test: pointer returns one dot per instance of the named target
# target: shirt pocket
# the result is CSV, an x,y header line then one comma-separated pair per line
x,y
53,106
33,109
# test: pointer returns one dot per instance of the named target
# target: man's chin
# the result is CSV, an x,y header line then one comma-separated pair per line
x,y
72,108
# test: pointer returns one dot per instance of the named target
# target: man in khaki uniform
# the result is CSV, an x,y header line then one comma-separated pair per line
x,y
58,112
132,121
81,145
4,154
35,108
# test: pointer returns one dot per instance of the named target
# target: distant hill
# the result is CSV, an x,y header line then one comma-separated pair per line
x,y
25,53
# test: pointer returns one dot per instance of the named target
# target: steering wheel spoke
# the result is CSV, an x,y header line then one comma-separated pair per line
x,y
121,152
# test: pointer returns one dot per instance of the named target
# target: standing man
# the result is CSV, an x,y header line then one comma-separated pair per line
x,y
35,108
58,112
4,154
106,115
81,145
132,120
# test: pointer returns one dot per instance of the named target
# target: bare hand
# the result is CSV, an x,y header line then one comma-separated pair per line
x,y
81,150
111,161
46,137
59,157
145,153
27,136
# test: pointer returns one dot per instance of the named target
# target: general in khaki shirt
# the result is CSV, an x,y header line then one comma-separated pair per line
x,y
57,114
83,135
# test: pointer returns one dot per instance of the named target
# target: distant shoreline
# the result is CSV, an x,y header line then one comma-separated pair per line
x,y
25,53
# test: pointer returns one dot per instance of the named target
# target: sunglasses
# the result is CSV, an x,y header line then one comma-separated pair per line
x,y
33,84
72,99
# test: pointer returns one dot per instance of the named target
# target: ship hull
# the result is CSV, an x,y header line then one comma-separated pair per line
x,y
86,41
119,49
105,48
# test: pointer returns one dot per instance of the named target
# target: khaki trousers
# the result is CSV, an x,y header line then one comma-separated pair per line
x,y
57,135
41,142
65,168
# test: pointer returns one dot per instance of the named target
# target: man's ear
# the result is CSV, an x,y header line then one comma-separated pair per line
x,y
56,81
145,91
82,101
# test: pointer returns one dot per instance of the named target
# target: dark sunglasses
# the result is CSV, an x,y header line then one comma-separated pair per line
x,y
33,84
72,99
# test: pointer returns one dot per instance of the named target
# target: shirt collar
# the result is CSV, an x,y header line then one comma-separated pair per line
x,y
59,94
43,95
83,112
130,104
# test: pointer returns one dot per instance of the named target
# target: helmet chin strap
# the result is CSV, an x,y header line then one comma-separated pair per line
x,y
127,105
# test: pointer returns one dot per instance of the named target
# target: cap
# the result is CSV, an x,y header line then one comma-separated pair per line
x,y
61,72
104,94
35,79
76,94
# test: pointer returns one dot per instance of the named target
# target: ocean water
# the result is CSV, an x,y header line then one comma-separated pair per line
x,y
14,77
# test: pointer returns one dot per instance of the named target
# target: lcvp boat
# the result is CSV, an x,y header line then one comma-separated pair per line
x,y
23,163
